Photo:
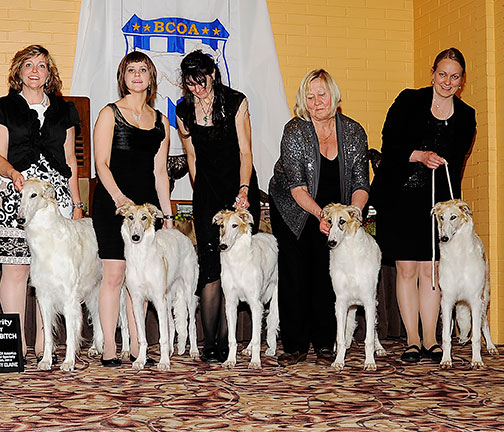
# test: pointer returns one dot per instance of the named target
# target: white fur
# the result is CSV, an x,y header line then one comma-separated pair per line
x,y
463,280
65,269
161,266
249,273
354,265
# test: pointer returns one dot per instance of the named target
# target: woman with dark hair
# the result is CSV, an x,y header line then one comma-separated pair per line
x,y
131,142
424,129
214,125
37,139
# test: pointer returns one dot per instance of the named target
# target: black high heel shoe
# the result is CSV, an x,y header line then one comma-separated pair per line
x,y
210,355
412,354
148,363
113,362
434,353
41,356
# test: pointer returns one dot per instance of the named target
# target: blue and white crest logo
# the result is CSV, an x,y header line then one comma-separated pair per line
x,y
166,41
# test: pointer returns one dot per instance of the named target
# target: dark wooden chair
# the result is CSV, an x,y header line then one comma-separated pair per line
x,y
83,144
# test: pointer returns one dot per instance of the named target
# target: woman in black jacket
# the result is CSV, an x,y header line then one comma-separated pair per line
x,y
424,129
37,139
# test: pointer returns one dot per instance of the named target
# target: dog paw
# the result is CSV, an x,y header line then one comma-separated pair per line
x,y
246,352
229,364
163,367
181,350
44,365
380,352
254,365
463,341
446,364
493,351
477,364
338,366
139,365
93,352
270,352
125,355
67,366
370,366
194,355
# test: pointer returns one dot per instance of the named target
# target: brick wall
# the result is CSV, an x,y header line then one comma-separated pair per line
x,y
366,45
51,23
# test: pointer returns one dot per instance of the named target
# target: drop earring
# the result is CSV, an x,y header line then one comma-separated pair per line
x,y
148,89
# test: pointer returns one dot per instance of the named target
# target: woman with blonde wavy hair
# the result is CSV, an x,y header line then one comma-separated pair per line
x,y
323,159
37,139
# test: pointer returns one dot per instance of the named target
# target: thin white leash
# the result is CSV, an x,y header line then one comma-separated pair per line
x,y
433,224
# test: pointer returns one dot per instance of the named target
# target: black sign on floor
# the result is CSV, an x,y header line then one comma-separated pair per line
x,y
11,351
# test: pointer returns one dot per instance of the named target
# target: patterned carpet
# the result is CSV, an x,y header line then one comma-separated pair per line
x,y
194,396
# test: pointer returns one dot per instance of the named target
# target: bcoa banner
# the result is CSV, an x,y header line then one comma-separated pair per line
x,y
236,33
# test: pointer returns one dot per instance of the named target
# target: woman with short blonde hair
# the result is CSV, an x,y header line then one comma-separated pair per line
x,y
323,159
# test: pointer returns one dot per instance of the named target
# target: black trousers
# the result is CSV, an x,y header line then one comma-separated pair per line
x,y
305,294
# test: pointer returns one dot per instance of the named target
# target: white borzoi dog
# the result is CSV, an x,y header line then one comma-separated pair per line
x,y
463,280
355,261
161,266
249,273
65,270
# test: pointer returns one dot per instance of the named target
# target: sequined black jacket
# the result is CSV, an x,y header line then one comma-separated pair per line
x,y
299,165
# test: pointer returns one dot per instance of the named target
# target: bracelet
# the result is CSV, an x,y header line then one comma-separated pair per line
x,y
243,186
168,217
79,205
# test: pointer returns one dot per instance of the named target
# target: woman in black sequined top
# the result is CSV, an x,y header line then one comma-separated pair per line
x,y
323,159
423,129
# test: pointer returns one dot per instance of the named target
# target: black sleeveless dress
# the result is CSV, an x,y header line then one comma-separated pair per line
x,y
217,182
132,165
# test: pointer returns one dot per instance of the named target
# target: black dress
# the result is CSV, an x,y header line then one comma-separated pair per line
x,y
217,182
402,190
132,165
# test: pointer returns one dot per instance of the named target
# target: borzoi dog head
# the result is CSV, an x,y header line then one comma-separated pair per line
x,y
232,224
35,195
343,220
138,219
451,216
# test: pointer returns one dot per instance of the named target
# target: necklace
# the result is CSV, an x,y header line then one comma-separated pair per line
x,y
43,102
137,117
444,116
206,117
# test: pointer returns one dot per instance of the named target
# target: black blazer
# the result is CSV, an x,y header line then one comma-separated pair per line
x,y
403,133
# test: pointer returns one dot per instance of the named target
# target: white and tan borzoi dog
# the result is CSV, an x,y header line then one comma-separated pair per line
x,y
249,273
65,270
355,261
463,280
161,266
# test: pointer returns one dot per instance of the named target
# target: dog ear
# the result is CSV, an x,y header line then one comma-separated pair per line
x,y
154,211
326,213
355,212
48,191
464,208
435,210
218,218
125,208
245,216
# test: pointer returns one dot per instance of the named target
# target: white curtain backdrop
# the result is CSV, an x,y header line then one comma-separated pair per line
x,y
237,33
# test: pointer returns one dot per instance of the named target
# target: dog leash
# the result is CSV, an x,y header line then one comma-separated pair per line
x,y
433,224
